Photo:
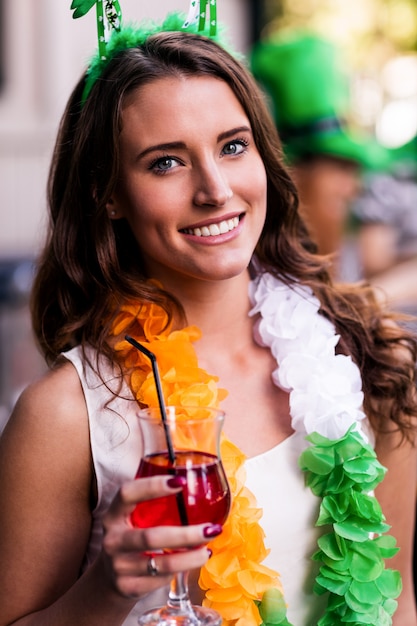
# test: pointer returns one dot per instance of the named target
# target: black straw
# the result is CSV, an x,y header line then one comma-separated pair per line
x,y
152,357
171,454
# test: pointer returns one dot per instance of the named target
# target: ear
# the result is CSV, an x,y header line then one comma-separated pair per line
x,y
113,211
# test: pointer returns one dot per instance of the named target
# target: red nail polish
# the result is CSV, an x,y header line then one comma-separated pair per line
x,y
176,481
212,531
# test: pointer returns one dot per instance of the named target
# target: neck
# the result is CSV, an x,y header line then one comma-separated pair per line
x,y
216,307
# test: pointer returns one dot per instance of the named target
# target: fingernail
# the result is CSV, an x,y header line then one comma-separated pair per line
x,y
212,531
209,552
176,481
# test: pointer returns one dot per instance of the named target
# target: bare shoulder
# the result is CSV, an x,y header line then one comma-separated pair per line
x,y
49,424
62,381
56,399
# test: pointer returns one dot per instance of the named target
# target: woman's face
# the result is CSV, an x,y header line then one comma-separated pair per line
x,y
192,184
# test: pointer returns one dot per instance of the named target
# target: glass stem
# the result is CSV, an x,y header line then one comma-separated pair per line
x,y
178,595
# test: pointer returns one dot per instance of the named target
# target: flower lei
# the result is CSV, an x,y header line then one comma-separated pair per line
x,y
339,464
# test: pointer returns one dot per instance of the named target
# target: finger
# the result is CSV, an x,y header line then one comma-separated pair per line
x,y
158,538
140,490
161,565
167,564
139,574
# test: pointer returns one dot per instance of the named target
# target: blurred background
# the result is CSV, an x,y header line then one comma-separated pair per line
x,y
43,52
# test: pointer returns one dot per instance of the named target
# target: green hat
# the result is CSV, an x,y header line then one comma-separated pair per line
x,y
309,96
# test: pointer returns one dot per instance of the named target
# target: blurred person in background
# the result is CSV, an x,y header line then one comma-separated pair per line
x,y
386,216
308,92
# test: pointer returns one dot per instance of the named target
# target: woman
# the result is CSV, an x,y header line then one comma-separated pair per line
x,y
167,193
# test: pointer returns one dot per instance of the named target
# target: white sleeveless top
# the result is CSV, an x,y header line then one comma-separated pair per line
x,y
289,508
290,511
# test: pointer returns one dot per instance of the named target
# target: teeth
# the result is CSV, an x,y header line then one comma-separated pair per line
x,y
214,229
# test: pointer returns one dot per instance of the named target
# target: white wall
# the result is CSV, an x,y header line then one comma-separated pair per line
x,y
45,53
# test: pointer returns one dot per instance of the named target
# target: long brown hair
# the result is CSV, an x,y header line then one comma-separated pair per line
x,y
91,264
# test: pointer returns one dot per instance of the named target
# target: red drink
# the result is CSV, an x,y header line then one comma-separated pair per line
x,y
206,496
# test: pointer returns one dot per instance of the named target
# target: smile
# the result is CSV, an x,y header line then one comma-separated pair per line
x,y
223,227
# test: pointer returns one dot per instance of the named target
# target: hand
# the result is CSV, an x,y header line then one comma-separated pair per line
x,y
126,549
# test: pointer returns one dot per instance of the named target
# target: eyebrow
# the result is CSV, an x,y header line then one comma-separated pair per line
x,y
233,131
180,145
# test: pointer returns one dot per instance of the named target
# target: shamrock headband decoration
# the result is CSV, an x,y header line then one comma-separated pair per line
x,y
112,38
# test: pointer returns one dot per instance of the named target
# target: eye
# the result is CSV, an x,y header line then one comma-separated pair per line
x,y
163,164
237,146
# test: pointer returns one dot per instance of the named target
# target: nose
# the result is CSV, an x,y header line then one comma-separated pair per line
x,y
212,187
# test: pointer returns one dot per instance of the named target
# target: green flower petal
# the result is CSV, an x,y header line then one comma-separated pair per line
x,y
390,606
389,583
332,509
335,582
272,608
359,530
365,506
319,462
333,546
363,594
366,568
387,546
361,471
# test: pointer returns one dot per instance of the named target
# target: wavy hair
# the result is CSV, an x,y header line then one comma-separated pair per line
x,y
91,264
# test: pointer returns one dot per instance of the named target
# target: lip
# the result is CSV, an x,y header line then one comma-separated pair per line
x,y
216,239
214,220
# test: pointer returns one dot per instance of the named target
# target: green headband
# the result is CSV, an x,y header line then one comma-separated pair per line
x,y
112,38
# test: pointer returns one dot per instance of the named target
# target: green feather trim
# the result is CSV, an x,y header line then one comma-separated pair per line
x,y
134,35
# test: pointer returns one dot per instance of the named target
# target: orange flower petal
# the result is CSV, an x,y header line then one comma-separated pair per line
x,y
242,609
234,576
231,594
223,567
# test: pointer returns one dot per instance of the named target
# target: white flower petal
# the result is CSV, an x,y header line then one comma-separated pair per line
x,y
325,388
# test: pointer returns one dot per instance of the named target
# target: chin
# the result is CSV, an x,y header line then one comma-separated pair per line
x,y
227,271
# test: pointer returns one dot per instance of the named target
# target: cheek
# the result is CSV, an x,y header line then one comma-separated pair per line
x,y
257,184
156,200
139,208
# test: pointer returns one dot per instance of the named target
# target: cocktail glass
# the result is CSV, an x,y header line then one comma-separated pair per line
x,y
185,444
